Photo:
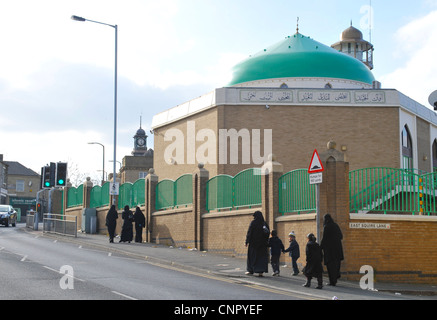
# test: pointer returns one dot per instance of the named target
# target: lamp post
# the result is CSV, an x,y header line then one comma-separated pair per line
x,y
103,174
76,18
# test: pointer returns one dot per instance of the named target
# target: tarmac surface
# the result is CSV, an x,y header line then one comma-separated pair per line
x,y
212,263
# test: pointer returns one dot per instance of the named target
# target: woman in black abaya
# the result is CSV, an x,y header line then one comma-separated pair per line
x,y
127,233
257,240
111,222
140,223
332,248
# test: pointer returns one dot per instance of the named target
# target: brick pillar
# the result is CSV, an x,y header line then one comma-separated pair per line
x,y
87,186
271,171
200,179
150,198
65,196
334,192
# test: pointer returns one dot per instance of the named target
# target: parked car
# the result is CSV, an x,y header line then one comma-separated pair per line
x,y
8,215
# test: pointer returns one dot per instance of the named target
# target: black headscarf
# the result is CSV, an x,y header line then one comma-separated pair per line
x,y
255,234
331,240
112,215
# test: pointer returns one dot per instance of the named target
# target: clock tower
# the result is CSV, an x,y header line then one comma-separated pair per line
x,y
140,142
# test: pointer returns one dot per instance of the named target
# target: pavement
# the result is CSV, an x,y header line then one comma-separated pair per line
x,y
226,266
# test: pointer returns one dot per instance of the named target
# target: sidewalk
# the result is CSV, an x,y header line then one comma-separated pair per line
x,y
216,264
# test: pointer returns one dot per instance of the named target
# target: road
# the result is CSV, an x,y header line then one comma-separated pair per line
x,y
34,266
31,269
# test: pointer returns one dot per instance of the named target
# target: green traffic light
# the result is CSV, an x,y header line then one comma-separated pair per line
x,y
60,181
47,184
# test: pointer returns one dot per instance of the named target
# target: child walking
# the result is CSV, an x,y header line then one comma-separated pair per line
x,y
276,247
294,251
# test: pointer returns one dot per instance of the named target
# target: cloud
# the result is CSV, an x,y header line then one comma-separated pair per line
x,y
416,45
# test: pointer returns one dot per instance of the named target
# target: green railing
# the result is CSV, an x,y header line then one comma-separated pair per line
x,y
219,192
171,194
226,192
132,194
75,196
296,194
392,190
99,196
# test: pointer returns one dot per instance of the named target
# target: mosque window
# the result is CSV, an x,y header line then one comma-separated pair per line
x,y
283,86
434,156
407,149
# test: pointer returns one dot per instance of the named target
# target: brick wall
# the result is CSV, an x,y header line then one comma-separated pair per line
x,y
404,253
369,134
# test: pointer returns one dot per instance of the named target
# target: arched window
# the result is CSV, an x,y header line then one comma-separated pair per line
x,y
407,149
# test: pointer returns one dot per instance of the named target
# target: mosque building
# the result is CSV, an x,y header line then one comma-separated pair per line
x,y
289,99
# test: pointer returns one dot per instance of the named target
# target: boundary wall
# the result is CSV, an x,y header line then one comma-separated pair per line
x,y
399,248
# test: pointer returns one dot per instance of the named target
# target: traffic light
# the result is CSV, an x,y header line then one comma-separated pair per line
x,y
61,174
45,177
48,175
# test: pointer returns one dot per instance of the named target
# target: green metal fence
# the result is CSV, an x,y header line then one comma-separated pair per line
x,y
132,194
227,192
296,194
99,196
75,196
219,192
392,190
171,194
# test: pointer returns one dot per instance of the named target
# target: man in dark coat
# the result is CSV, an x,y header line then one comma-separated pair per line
x,y
127,233
140,223
314,259
257,239
332,248
111,222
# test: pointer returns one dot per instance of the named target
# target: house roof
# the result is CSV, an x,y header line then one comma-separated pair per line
x,y
16,168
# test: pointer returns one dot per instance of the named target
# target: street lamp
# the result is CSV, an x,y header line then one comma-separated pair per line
x,y
103,174
76,18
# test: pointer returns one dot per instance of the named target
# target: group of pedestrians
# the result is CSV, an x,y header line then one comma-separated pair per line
x,y
330,251
128,218
258,240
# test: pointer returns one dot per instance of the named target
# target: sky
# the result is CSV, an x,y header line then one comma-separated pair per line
x,y
57,75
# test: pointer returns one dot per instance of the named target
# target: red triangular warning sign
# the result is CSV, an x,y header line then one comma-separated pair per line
x,y
315,164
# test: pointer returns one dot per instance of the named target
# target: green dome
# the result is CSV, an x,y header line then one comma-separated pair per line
x,y
299,56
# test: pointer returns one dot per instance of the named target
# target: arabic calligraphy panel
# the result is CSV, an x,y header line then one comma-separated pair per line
x,y
265,96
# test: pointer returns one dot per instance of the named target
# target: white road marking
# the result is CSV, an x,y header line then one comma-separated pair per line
x,y
123,295
57,271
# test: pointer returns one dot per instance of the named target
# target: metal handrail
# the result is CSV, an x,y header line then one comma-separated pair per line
x,y
60,224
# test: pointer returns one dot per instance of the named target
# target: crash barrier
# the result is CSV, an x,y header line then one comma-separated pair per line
x,y
60,224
